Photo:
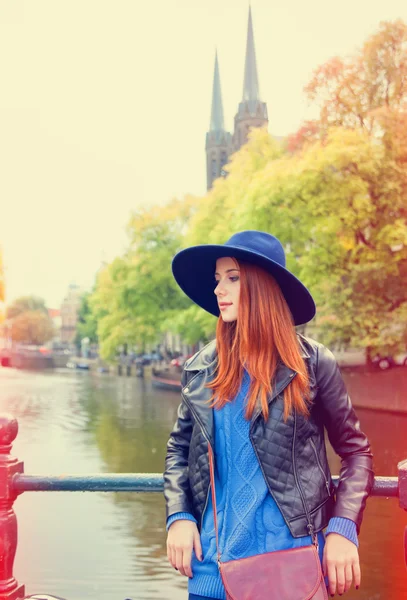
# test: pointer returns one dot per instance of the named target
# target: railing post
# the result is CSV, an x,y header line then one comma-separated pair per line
x,y
9,465
402,467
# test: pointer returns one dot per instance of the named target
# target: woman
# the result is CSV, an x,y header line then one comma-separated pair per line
x,y
261,395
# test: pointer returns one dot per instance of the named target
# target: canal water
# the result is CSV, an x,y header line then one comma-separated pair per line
x,y
106,546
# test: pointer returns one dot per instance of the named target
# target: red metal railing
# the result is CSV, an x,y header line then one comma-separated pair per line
x,y
13,482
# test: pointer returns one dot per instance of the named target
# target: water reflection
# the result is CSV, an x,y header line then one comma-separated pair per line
x,y
112,546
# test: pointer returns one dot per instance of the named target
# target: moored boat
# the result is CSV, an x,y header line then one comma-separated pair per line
x,y
168,378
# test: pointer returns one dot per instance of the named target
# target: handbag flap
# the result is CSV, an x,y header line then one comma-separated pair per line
x,y
293,574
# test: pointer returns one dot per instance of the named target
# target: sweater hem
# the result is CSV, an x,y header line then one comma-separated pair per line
x,y
207,585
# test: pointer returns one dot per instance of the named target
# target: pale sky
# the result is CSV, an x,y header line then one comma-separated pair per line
x,y
104,106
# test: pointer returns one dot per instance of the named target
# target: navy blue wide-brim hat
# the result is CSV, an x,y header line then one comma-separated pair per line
x,y
194,271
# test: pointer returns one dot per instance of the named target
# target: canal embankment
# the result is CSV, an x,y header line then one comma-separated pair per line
x,y
378,390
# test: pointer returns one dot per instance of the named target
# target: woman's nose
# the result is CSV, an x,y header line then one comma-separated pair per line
x,y
218,290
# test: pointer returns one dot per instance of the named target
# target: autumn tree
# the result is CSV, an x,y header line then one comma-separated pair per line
x,y
25,304
366,94
354,92
349,92
32,327
28,321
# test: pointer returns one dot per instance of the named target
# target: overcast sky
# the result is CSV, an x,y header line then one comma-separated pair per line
x,y
104,106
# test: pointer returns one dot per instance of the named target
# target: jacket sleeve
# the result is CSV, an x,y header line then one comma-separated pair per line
x,y
349,442
177,491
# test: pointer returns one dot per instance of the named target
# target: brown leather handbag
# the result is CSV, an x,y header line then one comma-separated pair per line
x,y
293,574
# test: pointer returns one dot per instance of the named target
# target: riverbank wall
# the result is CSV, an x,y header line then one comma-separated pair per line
x,y
378,390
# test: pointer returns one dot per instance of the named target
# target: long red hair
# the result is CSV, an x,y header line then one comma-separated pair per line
x,y
263,333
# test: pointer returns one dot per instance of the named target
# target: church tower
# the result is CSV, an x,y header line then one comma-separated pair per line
x,y
218,141
252,112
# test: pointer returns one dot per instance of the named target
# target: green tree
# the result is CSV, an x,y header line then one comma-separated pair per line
x,y
192,323
136,294
349,195
87,323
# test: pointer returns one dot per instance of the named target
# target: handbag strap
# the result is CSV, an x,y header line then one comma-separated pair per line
x,y
215,518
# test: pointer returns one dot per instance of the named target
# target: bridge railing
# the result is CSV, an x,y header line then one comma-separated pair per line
x,y
14,482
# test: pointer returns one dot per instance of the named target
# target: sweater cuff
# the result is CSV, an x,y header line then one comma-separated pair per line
x,y
180,515
345,527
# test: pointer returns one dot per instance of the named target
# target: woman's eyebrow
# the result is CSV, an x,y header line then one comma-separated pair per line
x,y
228,271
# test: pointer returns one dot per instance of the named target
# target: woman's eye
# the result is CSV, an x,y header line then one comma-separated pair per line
x,y
231,278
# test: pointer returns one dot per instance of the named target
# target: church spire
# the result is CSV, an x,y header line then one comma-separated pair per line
x,y
252,112
217,123
218,141
251,82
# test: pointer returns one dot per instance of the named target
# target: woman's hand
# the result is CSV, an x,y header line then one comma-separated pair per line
x,y
183,536
340,563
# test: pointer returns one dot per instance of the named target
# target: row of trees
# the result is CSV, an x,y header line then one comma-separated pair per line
x,y
335,194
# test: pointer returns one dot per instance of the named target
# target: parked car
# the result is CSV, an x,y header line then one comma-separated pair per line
x,y
386,362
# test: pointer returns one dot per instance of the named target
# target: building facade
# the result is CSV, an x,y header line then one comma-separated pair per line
x,y
252,112
55,316
69,313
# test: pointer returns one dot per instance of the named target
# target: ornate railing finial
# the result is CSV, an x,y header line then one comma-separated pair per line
x,y
9,466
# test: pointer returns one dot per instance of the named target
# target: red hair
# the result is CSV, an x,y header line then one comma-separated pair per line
x,y
263,333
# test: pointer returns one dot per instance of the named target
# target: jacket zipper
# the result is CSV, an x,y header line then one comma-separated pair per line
x,y
310,526
320,466
207,439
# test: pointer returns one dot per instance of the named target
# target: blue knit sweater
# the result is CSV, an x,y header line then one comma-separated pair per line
x,y
249,520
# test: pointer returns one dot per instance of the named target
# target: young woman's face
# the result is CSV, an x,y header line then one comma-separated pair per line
x,y
227,291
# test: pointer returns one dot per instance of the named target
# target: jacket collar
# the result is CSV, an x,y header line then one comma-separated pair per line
x,y
202,359
206,357
203,364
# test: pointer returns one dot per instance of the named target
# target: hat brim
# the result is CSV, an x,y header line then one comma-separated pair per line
x,y
194,271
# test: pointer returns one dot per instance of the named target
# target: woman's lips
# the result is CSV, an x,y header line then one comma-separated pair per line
x,y
223,306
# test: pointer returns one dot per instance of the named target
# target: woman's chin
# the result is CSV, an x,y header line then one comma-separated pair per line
x,y
228,319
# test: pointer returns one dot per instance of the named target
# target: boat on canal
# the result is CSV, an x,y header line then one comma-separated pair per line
x,y
168,375
25,356
168,379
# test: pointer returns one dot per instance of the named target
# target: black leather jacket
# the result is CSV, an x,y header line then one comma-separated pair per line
x,y
292,455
